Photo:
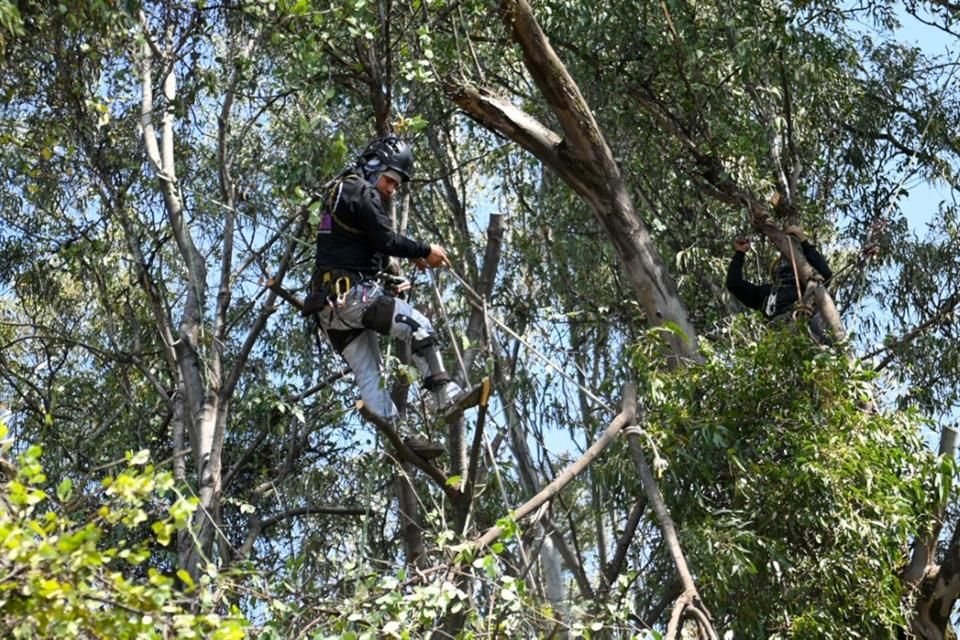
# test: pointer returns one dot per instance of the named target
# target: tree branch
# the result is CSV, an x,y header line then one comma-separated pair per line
x,y
626,415
314,510
266,311
503,117
561,92
940,316
384,427
690,597
615,567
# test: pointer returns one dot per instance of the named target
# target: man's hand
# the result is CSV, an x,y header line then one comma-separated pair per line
x,y
795,231
437,258
741,245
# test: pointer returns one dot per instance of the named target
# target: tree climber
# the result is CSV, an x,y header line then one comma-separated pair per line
x,y
776,298
353,297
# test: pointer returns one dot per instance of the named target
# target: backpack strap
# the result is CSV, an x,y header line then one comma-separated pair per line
x,y
332,208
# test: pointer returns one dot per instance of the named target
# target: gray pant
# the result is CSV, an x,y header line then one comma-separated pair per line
x,y
362,353
816,326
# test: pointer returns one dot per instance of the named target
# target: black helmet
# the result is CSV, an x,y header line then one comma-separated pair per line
x,y
385,153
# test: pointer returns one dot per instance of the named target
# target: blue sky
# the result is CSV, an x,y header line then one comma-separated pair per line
x,y
924,199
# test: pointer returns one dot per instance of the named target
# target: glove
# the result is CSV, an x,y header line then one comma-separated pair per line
x,y
436,258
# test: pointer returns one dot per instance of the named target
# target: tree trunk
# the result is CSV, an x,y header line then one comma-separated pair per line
x,y
583,159
411,529
585,162
206,390
553,588
937,586
200,409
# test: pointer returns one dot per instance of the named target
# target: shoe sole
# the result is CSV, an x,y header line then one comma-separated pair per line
x,y
467,400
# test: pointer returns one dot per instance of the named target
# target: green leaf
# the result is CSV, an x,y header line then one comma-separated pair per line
x,y
163,530
65,489
141,458
185,578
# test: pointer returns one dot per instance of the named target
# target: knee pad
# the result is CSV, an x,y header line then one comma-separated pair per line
x,y
436,381
424,345
379,315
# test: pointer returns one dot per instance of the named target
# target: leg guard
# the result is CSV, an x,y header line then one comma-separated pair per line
x,y
424,346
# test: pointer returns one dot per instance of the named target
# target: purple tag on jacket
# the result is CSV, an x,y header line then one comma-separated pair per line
x,y
326,223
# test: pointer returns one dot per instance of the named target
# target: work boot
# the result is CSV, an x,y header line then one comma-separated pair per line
x,y
449,395
424,448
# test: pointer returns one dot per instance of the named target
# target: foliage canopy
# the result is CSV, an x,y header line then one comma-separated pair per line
x,y
161,164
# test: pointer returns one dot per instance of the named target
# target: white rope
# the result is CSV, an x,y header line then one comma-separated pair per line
x,y
659,464
446,321
480,303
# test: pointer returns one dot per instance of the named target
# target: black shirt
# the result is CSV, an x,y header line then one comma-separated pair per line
x,y
355,232
784,287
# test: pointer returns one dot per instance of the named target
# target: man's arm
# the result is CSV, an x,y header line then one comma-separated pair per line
x,y
810,252
373,220
751,295
816,260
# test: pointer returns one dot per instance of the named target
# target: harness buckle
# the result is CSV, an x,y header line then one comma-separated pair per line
x,y
341,287
335,284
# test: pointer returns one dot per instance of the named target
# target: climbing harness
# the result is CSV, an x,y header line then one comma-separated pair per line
x,y
336,286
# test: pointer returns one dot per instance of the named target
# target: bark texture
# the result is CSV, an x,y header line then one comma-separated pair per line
x,y
583,159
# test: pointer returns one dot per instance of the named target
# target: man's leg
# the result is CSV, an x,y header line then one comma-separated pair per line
x,y
358,346
412,325
397,318
363,356
349,330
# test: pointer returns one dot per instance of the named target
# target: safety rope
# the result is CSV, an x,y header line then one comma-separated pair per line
x,y
800,306
479,302
793,263
446,321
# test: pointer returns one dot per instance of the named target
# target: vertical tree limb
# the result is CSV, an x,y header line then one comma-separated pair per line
x,y
690,599
615,566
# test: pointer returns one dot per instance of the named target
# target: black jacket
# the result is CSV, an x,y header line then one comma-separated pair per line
x,y
784,287
355,232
